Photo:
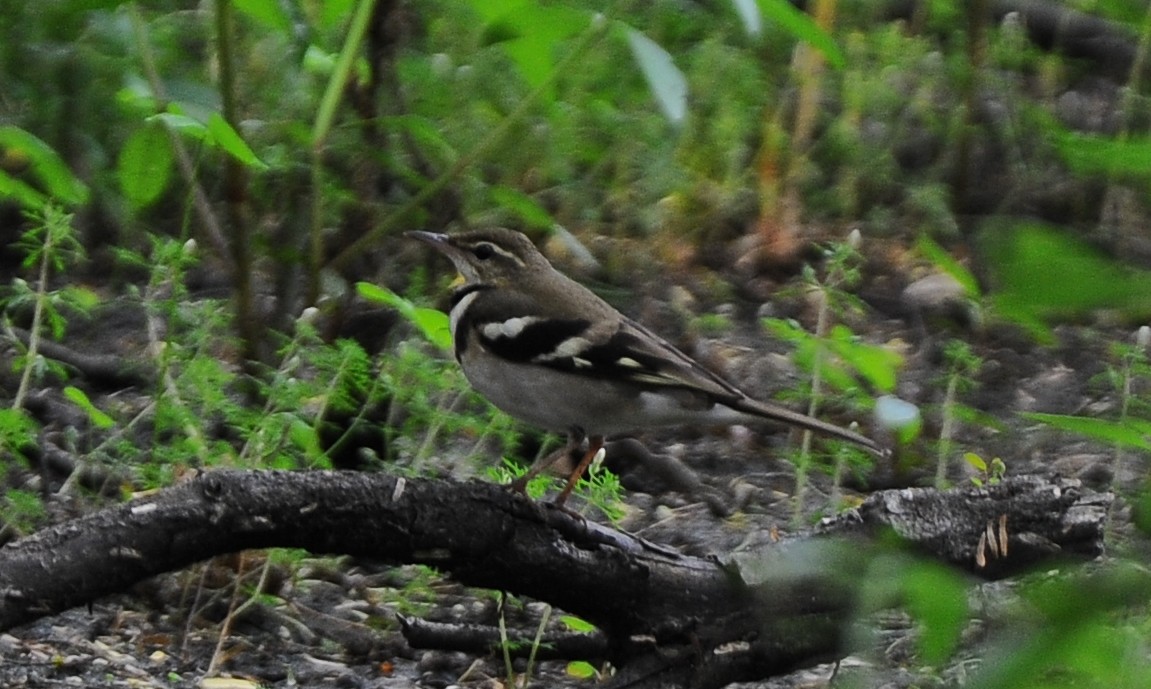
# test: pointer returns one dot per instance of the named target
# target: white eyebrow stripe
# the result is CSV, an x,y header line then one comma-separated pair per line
x,y
510,328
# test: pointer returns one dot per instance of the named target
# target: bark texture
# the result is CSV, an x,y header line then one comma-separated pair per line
x,y
668,619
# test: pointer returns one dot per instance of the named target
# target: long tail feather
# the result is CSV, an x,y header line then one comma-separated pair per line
x,y
787,416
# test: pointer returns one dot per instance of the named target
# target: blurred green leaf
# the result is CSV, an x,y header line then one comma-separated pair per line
x,y
80,297
232,143
182,124
523,206
433,324
935,253
145,165
1081,631
80,399
269,13
1039,272
1091,154
20,148
935,595
20,192
937,598
803,27
878,364
304,436
1133,433
529,32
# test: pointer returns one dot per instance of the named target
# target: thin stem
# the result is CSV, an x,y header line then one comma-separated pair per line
x,y
822,324
323,126
536,644
947,431
37,317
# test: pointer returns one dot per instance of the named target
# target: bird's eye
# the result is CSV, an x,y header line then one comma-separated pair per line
x,y
484,251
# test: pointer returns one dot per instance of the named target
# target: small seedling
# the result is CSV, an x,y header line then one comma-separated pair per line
x,y
989,473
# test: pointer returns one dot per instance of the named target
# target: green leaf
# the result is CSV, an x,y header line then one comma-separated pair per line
x,y
975,461
529,32
21,148
934,595
269,13
1091,154
666,82
304,436
182,124
224,136
935,253
80,399
803,27
22,193
878,364
336,12
80,297
581,669
524,206
577,624
434,324
17,430
937,598
145,166
1133,433
1039,273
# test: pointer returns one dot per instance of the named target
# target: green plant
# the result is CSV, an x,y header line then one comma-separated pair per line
x,y
431,392
1128,374
834,357
602,490
962,364
507,646
509,470
988,473
50,247
580,669
1083,628
21,512
1133,369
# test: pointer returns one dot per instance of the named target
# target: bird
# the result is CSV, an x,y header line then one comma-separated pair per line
x,y
550,352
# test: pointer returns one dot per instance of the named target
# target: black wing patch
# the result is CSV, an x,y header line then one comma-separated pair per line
x,y
533,339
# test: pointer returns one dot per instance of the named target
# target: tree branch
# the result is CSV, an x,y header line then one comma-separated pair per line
x,y
669,619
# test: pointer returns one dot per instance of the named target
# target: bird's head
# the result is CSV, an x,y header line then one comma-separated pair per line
x,y
492,256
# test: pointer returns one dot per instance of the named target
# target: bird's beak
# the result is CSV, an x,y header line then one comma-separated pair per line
x,y
436,239
443,244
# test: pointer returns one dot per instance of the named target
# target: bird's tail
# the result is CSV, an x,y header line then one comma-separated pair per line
x,y
787,416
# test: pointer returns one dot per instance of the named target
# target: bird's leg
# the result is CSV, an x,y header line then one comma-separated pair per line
x,y
576,437
595,444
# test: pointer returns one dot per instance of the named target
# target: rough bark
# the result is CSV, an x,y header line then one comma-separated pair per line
x,y
669,619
